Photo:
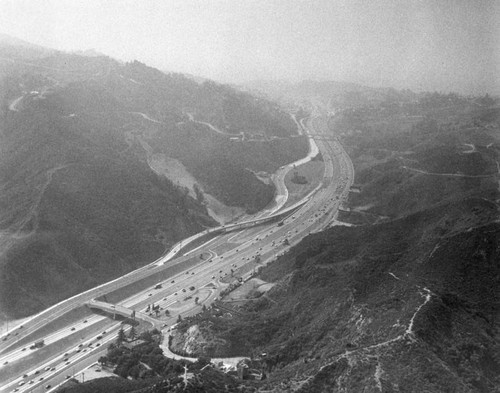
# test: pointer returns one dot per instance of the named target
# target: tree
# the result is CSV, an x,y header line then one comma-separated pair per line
x,y
167,312
179,318
132,333
103,360
196,300
121,337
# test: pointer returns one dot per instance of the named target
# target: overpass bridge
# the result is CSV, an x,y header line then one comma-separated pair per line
x,y
128,313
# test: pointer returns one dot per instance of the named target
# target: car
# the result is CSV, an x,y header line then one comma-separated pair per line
x,y
175,293
73,329
192,273
21,383
183,289
37,372
98,344
80,345
150,294
24,349
47,368
25,376
191,288
173,281
31,382
68,376
53,369
85,321
40,379
48,387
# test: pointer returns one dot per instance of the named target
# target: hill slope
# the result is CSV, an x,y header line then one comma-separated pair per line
x,y
407,302
83,197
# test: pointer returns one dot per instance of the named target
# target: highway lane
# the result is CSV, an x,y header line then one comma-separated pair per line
x,y
50,371
231,249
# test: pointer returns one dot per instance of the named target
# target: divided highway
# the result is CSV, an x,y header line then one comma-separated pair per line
x,y
178,286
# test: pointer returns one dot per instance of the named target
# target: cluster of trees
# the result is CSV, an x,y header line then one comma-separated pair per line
x,y
299,179
146,360
142,361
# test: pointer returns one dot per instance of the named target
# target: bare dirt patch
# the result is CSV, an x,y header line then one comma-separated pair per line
x,y
312,171
250,289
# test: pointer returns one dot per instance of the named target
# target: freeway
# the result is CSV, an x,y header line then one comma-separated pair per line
x,y
177,286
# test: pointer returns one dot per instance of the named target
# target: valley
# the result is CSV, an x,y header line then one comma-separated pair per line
x,y
161,232
207,275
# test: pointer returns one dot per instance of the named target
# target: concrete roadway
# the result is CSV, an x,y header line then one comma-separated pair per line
x,y
236,251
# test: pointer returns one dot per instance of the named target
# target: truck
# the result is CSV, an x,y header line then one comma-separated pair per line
x,y
37,344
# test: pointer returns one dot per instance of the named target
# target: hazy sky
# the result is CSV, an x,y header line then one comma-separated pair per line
x,y
429,44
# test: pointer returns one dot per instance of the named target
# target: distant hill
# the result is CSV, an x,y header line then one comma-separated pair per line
x,y
332,95
86,194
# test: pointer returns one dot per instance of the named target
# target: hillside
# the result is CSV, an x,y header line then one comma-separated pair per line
x,y
87,147
408,301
